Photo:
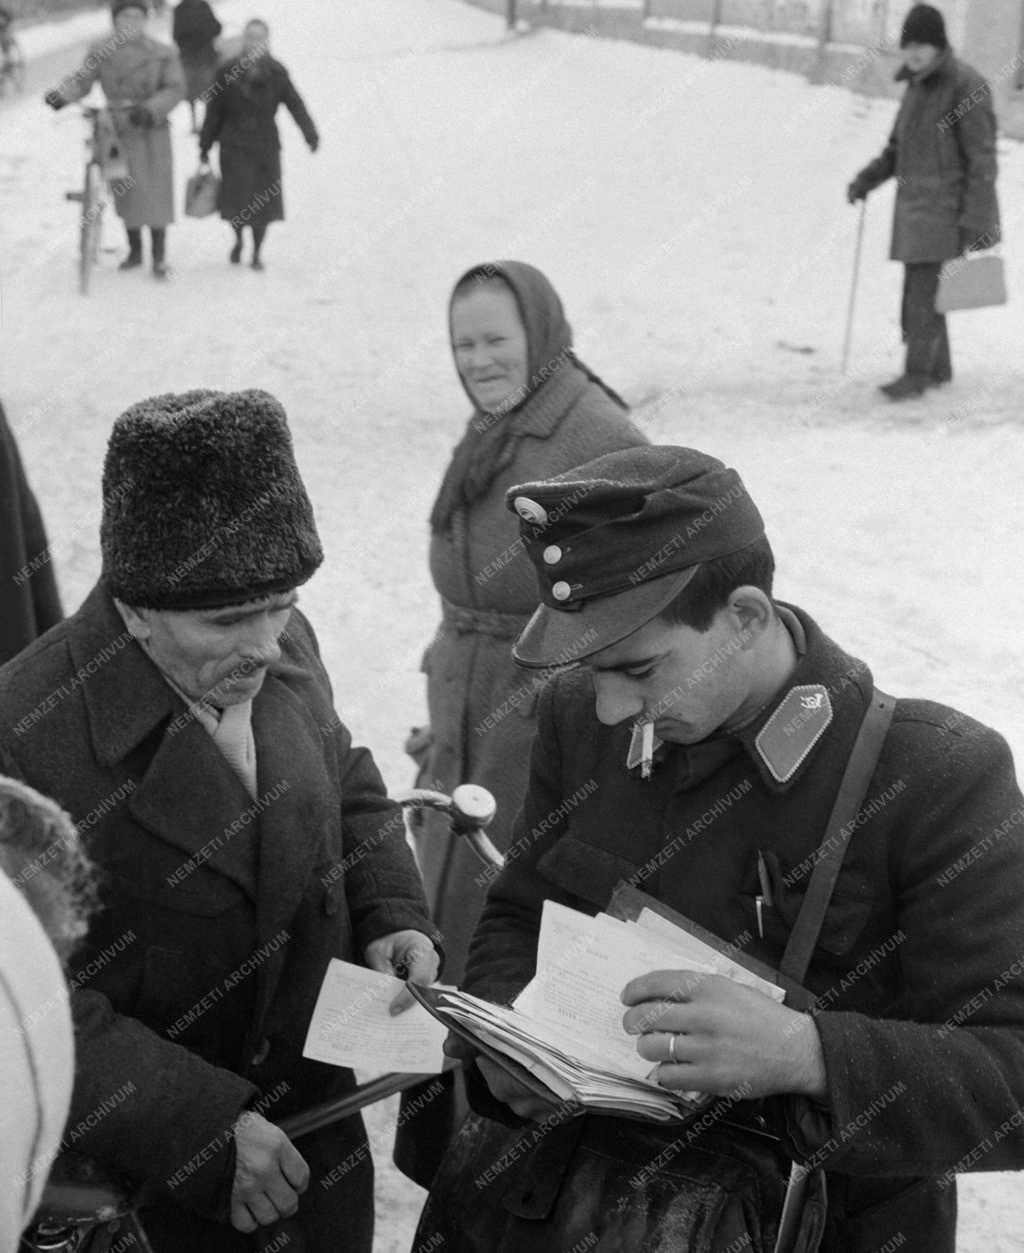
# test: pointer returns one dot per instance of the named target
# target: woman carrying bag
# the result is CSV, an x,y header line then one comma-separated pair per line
x,y
240,113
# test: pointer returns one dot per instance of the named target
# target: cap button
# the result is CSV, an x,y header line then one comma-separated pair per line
x,y
529,510
561,590
552,555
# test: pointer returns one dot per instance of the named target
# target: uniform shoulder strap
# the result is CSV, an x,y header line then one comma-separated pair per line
x,y
829,856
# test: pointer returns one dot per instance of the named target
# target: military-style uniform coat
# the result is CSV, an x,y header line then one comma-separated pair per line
x,y
195,987
943,152
918,970
137,71
482,705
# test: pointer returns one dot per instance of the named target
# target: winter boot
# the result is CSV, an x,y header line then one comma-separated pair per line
x,y
259,233
159,236
906,386
134,257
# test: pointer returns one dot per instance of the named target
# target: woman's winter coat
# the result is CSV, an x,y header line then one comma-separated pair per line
x,y
240,113
942,152
137,71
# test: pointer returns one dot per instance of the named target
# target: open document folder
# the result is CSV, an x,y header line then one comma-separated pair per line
x,y
563,1035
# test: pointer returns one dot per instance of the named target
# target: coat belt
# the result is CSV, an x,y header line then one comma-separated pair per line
x,y
465,620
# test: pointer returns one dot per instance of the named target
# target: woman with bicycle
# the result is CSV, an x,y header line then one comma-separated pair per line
x,y
143,81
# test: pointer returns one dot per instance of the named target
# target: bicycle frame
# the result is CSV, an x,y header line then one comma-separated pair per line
x,y
104,164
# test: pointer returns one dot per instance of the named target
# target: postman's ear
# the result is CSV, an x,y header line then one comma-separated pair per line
x,y
752,613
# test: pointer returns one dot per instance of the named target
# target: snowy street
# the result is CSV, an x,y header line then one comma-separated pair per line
x,y
691,214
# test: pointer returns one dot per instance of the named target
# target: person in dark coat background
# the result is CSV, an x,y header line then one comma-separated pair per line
x,y
184,719
942,151
910,1065
240,116
536,410
29,601
195,30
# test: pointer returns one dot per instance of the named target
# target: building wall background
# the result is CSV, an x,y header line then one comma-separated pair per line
x,y
854,43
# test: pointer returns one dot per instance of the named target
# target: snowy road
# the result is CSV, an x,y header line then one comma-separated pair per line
x,y
692,215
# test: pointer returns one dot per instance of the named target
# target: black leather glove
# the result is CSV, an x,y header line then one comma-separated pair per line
x,y
856,191
140,115
54,99
314,143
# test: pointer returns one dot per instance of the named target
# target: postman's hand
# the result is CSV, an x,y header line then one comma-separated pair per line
x,y
409,955
270,1174
711,1034
519,1098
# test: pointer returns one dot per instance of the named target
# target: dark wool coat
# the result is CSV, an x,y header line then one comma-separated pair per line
x,y
482,705
240,116
195,987
918,970
943,152
194,30
140,71
29,603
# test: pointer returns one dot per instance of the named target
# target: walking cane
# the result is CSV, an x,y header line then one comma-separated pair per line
x,y
853,285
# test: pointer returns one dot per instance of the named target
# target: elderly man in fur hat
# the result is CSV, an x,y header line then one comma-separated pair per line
x,y
184,719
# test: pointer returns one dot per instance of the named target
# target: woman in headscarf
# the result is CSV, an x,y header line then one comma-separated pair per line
x,y
537,411
239,116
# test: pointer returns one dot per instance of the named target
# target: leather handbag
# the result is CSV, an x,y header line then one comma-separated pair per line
x,y
202,192
973,281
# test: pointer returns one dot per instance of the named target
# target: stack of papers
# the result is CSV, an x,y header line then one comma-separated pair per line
x,y
565,1027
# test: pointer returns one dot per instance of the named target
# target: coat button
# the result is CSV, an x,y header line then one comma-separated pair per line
x,y
529,510
552,555
561,591
261,1054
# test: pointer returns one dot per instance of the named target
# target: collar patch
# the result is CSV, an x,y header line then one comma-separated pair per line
x,y
793,730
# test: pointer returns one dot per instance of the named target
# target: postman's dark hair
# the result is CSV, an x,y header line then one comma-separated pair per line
x,y
715,581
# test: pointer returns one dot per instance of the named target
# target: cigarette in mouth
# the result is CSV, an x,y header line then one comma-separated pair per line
x,y
646,749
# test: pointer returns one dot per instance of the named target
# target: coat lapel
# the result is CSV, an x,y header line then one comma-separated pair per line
x,y
191,798
295,798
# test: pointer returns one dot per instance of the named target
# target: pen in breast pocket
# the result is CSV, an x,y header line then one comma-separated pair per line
x,y
764,879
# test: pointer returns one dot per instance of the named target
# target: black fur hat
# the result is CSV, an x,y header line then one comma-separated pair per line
x,y
924,25
203,504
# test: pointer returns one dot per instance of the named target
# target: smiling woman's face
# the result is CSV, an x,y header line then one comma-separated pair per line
x,y
490,348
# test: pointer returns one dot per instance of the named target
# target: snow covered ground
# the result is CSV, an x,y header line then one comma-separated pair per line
x,y
692,215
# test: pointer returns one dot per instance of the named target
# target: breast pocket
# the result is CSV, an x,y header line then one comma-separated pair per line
x,y
844,922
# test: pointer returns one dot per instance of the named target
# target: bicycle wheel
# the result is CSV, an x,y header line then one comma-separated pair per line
x,y
90,225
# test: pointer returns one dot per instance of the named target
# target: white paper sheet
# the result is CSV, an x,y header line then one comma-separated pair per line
x,y
351,1025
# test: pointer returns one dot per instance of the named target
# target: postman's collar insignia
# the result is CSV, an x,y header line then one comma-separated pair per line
x,y
789,735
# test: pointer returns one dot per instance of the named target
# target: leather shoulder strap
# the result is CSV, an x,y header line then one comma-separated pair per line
x,y
829,856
